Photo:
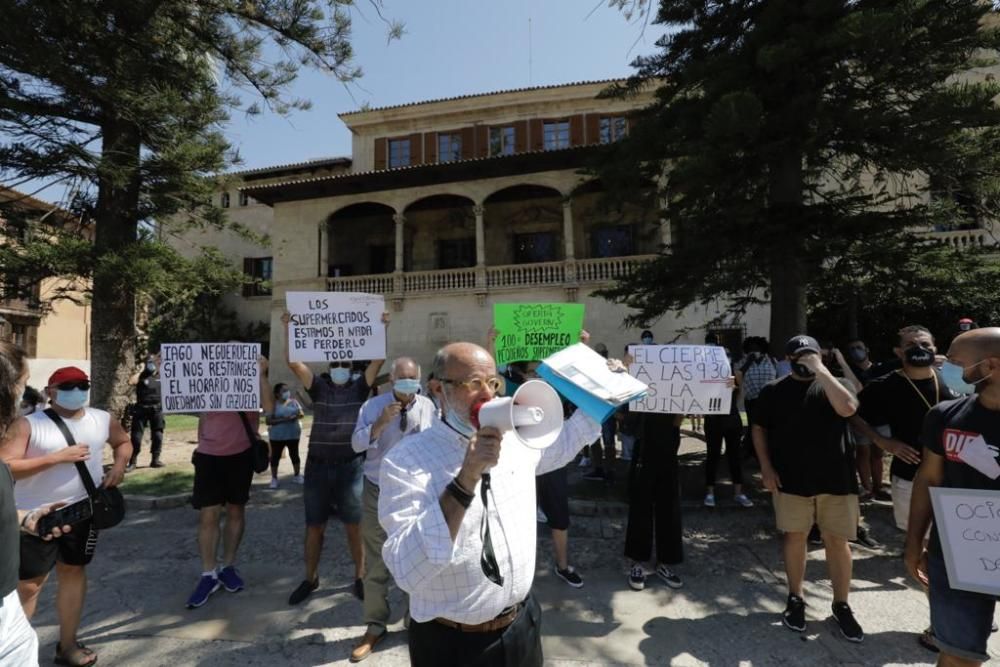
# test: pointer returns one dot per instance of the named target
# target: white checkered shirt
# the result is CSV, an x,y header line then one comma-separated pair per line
x,y
444,578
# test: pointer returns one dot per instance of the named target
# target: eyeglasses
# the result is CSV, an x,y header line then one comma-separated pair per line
x,y
67,386
476,385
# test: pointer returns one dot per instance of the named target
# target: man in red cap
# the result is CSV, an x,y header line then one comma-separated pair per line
x,y
44,465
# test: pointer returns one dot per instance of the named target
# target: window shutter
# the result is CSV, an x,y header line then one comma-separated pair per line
x,y
576,130
468,142
416,146
535,132
430,147
380,153
593,129
482,141
521,136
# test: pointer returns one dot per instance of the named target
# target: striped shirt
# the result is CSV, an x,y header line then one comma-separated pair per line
x,y
335,411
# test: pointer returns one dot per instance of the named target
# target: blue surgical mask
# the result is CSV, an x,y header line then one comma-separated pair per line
x,y
406,386
285,395
953,377
647,340
71,399
340,375
460,424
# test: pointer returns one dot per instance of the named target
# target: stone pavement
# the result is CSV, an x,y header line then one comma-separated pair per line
x,y
727,613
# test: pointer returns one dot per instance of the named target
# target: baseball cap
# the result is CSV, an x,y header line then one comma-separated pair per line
x,y
801,343
67,374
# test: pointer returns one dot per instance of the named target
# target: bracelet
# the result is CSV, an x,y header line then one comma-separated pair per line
x,y
463,497
24,529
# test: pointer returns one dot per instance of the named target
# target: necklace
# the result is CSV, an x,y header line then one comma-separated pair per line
x,y
937,390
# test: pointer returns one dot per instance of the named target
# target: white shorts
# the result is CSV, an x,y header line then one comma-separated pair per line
x,y
18,641
902,489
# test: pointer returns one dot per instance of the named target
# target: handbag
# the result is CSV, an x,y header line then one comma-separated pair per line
x,y
107,504
260,450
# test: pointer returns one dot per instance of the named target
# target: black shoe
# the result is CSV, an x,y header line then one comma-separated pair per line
x,y
882,496
794,617
815,537
304,590
926,639
865,539
157,463
848,625
359,589
570,576
595,475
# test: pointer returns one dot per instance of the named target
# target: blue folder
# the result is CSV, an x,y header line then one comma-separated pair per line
x,y
597,409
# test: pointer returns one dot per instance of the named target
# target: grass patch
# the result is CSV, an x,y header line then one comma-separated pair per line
x,y
158,482
181,422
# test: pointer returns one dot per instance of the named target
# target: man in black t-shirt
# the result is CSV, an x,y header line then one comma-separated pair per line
x,y
147,411
962,620
799,428
900,400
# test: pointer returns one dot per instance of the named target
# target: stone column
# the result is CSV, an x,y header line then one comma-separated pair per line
x,y
480,212
400,221
324,249
568,240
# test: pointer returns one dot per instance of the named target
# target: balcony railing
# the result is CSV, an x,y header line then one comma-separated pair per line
x,y
964,238
512,276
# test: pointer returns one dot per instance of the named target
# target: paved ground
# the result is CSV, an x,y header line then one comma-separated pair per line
x,y
726,614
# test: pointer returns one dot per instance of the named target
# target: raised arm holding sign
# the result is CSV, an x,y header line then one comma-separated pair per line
x,y
682,379
211,377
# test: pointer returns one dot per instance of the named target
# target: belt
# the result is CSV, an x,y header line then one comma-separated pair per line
x,y
502,620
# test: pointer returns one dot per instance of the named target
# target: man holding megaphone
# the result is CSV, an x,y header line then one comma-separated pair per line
x,y
458,506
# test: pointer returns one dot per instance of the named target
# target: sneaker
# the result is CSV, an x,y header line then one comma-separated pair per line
x,y
157,463
130,466
637,578
815,537
865,539
570,576
848,626
304,590
710,500
231,579
595,475
206,586
540,516
273,484
584,462
299,479
743,501
882,495
359,589
794,616
669,577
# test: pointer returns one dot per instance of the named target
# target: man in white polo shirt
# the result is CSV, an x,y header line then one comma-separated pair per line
x,y
44,466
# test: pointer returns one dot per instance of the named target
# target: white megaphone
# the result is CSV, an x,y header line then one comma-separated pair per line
x,y
534,413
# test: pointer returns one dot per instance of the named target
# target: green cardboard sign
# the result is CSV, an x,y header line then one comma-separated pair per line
x,y
533,331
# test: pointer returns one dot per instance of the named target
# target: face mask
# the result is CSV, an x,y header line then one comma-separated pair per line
x,y
857,354
285,395
964,326
457,422
802,370
71,399
406,386
647,340
919,357
340,375
952,376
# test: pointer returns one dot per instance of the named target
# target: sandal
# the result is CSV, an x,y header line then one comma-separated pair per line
x,y
63,659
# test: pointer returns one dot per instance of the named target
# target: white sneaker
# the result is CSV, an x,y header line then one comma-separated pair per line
x,y
710,500
584,462
743,501
273,484
299,479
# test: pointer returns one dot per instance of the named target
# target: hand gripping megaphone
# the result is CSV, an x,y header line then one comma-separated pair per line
x,y
534,413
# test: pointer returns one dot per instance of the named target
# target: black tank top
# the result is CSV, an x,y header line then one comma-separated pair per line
x,y
9,537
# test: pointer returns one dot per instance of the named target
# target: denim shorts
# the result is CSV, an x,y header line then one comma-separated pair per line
x,y
333,489
962,620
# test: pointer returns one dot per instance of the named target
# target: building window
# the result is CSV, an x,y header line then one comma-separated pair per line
x,y
449,147
258,272
244,199
502,140
399,153
381,258
612,241
11,286
613,128
456,253
225,200
19,335
532,248
556,134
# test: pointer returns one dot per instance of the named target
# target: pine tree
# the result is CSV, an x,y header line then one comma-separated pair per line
x,y
795,142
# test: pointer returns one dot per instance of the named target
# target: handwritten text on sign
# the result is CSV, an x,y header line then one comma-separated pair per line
x,y
335,326
534,331
682,379
968,523
210,377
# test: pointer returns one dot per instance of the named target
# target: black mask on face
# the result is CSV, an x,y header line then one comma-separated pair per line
x,y
801,370
918,357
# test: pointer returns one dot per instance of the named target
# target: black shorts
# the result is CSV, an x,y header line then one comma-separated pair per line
x,y
553,498
221,480
38,556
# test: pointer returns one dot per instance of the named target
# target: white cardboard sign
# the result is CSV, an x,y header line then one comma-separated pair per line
x,y
682,379
210,377
968,523
335,326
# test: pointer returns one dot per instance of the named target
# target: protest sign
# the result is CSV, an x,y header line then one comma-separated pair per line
x,y
534,331
968,523
210,377
335,326
682,379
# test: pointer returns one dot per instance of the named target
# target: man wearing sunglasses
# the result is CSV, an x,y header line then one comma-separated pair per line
x,y
45,470
461,543
382,422
334,471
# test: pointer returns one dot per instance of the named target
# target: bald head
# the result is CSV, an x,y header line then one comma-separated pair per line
x,y
405,368
458,361
978,343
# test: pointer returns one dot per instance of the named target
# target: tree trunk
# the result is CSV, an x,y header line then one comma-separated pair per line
x,y
112,337
788,271
853,329
788,304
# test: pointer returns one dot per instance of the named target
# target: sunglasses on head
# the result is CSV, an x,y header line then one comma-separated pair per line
x,y
68,386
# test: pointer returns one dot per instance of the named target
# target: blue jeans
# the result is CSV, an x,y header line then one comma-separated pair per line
x,y
962,620
333,488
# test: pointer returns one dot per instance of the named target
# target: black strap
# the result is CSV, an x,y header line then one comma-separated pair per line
x,y
81,467
251,438
488,559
